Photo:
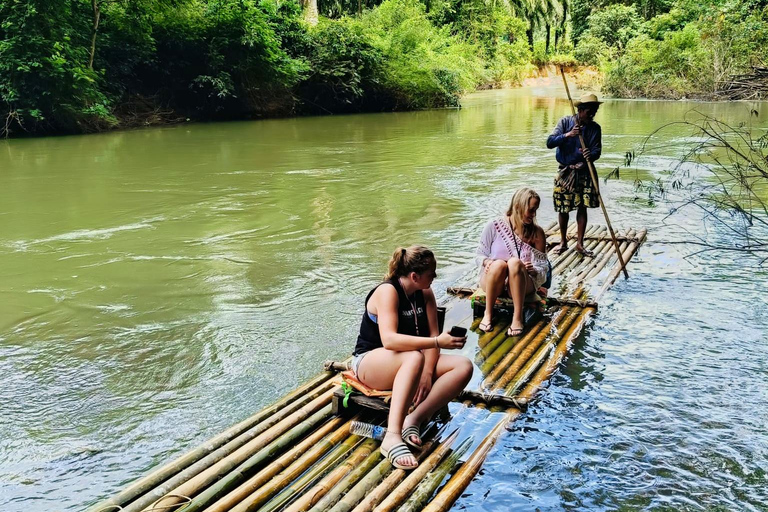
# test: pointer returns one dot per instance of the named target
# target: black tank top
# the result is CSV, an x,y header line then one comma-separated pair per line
x,y
407,323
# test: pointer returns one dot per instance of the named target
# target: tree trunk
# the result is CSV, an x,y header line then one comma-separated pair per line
x,y
94,31
529,33
310,11
549,30
557,37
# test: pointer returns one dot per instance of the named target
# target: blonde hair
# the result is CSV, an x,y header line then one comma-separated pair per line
x,y
517,208
415,258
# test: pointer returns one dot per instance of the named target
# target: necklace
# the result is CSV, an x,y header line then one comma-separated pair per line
x,y
413,307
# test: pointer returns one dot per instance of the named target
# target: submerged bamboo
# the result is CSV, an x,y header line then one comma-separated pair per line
x,y
234,477
311,496
161,474
333,495
512,355
390,492
213,473
628,253
461,479
330,449
266,474
427,486
296,488
601,265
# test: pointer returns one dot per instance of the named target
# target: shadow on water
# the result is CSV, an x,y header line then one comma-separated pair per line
x,y
160,285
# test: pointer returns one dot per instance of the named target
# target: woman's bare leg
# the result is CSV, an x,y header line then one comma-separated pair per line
x,y
520,284
400,372
453,374
492,281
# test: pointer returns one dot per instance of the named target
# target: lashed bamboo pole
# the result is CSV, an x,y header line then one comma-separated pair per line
x,y
529,368
491,346
311,449
597,247
427,486
595,183
600,265
161,474
530,390
518,371
629,252
530,349
559,260
371,481
388,489
210,475
236,476
311,496
357,473
498,328
602,253
397,494
461,479
539,330
296,488
569,256
503,349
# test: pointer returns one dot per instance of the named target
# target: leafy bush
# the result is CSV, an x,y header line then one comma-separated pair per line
x,y
615,25
591,50
45,81
422,66
343,68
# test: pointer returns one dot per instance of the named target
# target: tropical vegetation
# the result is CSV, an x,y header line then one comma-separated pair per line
x,y
90,65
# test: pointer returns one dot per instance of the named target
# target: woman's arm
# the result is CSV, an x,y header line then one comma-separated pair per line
x,y
431,356
483,251
385,303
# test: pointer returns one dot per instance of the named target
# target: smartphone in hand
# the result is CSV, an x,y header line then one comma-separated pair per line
x,y
458,332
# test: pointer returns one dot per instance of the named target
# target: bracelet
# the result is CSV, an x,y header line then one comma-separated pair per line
x,y
437,343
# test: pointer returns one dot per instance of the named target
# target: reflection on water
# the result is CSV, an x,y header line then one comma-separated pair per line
x,y
160,285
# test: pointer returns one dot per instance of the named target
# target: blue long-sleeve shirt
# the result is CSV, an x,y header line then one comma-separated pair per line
x,y
568,147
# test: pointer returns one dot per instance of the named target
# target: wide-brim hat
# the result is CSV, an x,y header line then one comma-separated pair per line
x,y
587,99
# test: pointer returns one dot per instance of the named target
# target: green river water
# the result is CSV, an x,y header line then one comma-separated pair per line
x,y
160,285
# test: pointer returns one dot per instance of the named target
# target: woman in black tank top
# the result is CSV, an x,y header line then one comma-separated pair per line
x,y
399,349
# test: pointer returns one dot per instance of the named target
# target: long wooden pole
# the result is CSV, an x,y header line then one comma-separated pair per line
x,y
593,176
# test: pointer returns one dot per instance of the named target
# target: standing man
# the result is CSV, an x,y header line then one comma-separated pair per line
x,y
574,189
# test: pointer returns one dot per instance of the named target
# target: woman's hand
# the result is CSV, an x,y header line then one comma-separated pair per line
x,y
446,341
425,386
487,264
530,268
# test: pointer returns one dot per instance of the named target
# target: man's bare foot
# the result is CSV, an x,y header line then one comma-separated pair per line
x,y
584,252
560,249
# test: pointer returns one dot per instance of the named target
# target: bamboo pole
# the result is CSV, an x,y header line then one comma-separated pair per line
x,y
498,354
530,390
333,495
427,486
569,252
388,490
374,477
570,255
518,370
236,476
461,479
213,473
307,446
313,495
161,474
509,372
602,253
296,488
498,328
539,330
491,346
400,493
629,252
530,367
595,183
600,265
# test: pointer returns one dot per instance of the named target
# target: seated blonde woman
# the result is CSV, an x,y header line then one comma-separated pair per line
x,y
399,349
512,258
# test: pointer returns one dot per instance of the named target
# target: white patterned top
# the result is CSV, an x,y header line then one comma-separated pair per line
x,y
500,242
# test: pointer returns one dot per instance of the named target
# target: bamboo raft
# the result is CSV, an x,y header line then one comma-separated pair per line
x,y
296,455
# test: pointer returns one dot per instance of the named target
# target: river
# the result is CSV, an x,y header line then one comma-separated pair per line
x,y
162,284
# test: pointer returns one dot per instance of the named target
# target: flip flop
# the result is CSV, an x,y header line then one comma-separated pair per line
x,y
398,451
517,331
485,326
410,432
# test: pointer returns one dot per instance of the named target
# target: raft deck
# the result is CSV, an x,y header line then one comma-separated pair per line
x,y
296,455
